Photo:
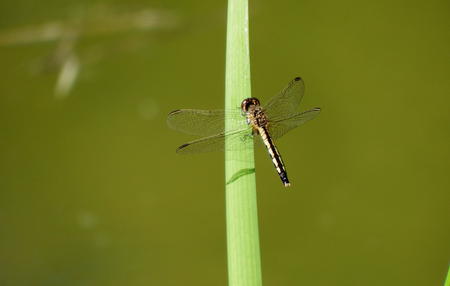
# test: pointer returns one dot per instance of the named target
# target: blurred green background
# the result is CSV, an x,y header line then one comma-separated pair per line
x,y
92,192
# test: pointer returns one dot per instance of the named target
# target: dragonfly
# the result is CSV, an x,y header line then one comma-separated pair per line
x,y
269,122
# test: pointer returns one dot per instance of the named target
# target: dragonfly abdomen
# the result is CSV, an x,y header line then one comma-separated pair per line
x,y
274,155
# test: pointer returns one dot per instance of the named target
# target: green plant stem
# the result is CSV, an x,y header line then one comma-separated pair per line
x,y
447,280
244,266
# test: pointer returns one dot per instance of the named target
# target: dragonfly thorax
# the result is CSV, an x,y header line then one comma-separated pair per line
x,y
254,113
256,118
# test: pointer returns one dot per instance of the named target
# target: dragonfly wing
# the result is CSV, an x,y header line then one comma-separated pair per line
x,y
286,103
238,139
281,127
200,122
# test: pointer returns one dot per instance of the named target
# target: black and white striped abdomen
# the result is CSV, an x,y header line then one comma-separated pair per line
x,y
274,155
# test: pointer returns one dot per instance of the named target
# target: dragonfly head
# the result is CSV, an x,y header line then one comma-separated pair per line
x,y
249,103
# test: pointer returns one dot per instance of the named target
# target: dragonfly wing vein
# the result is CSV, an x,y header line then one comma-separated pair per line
x,y
286,103
281,127
200,122
238,139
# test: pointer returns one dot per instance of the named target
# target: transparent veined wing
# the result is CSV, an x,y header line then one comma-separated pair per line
x,y
286,103
201,122
281,127
238,139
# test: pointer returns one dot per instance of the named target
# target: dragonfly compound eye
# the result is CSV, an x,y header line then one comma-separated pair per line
x,y
246,103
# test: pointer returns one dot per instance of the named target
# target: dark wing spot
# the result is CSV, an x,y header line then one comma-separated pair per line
x,y
174,112
298,78
182,146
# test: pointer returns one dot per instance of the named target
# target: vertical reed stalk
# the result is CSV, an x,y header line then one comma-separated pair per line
x,y
244,266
